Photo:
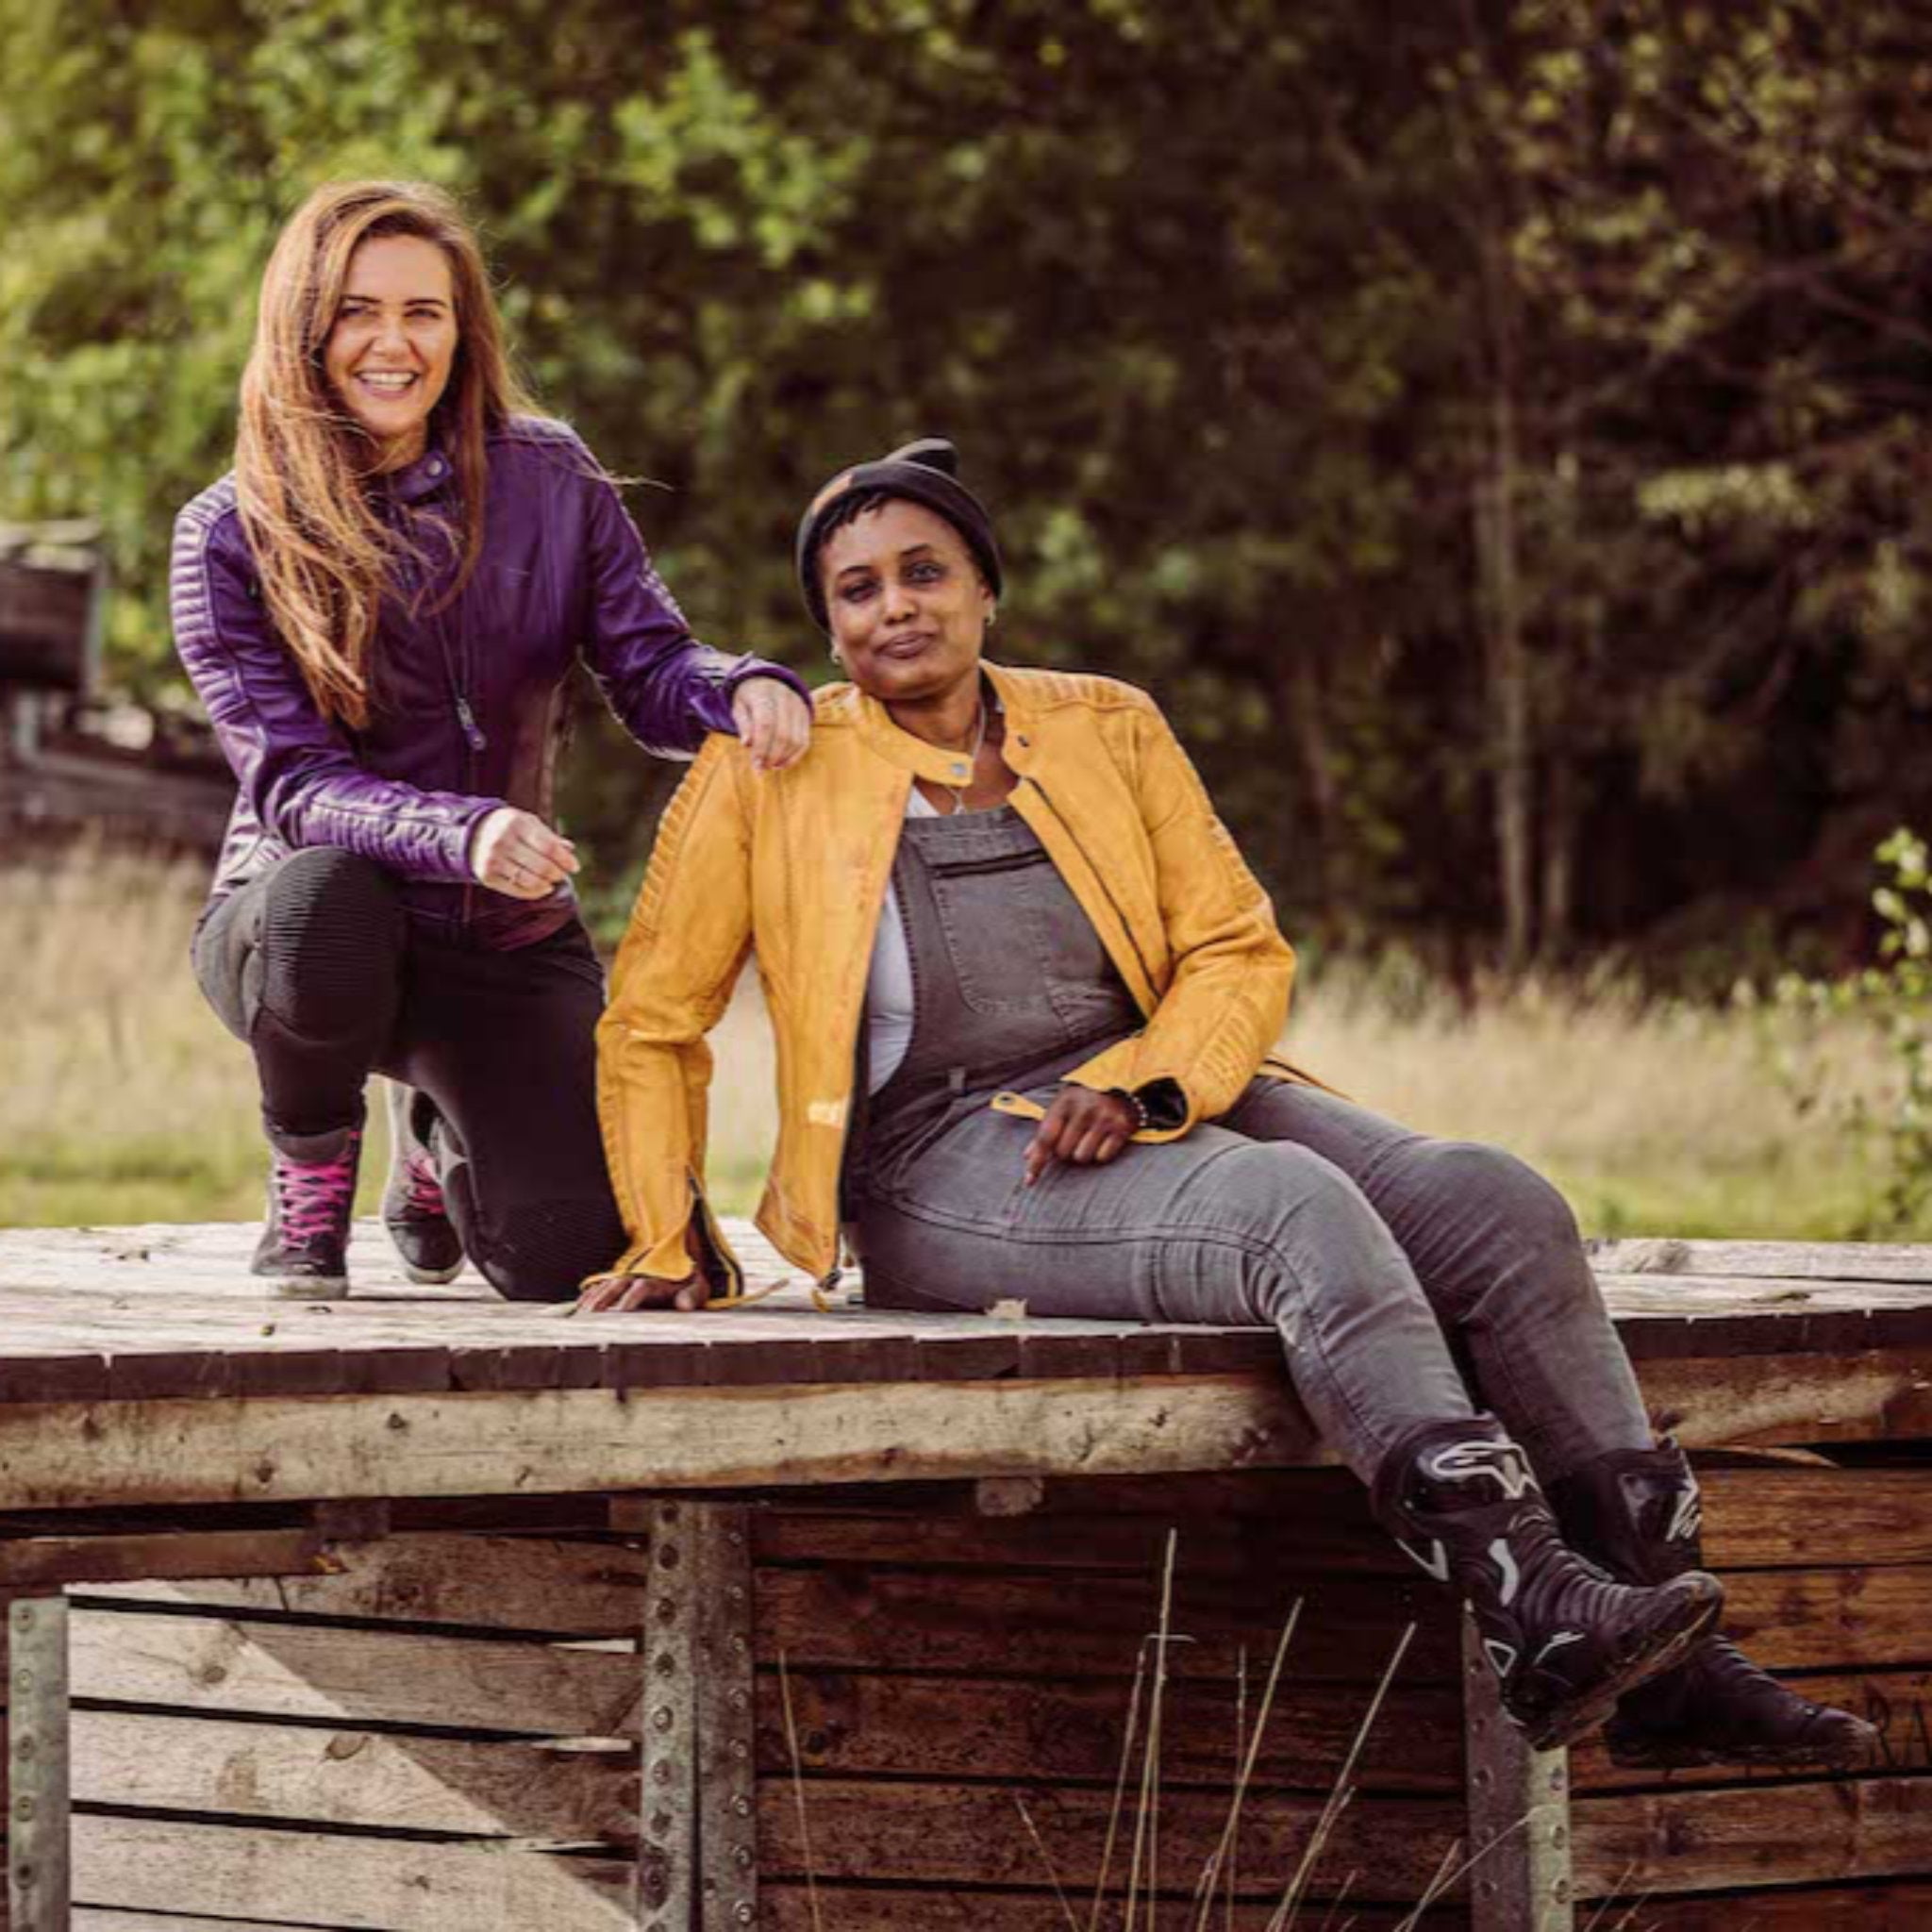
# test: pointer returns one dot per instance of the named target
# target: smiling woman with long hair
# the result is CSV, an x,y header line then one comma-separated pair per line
x,y
380,607
1025,995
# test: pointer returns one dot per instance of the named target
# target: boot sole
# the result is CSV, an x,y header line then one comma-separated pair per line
x,y
1556,1729
310,1287
431,1277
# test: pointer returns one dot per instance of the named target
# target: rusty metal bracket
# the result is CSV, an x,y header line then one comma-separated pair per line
x,y
1518,1812
697,1851
728,1771
668,1840
39,1863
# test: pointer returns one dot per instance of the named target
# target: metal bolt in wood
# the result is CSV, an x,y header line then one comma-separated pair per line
x,y
38,1860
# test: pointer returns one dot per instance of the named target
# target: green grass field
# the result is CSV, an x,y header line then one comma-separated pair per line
x,y
123,1100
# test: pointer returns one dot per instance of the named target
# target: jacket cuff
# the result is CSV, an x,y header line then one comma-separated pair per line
x,y
749,667
667,1259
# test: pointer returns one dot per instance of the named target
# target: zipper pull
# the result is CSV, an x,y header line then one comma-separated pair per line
x,y
472,730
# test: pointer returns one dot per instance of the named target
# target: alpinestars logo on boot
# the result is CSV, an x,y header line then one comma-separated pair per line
x,y
1503,1463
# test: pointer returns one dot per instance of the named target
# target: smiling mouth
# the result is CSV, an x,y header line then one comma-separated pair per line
x,y
387,383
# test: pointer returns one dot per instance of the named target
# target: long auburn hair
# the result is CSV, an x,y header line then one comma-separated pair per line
x,y
302,462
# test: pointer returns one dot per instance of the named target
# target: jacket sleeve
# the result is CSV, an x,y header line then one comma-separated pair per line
x,y
1226,1001
681,955
298,770
668,690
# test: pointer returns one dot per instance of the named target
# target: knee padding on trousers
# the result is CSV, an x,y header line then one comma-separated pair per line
x,y
541,1251
331,943
1465,1174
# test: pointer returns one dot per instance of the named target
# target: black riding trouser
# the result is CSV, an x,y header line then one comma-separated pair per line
x,y
316,966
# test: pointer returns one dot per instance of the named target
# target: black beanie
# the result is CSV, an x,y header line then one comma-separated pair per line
x,y
924,472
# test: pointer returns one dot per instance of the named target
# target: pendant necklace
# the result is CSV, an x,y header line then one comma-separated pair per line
x,y
959,791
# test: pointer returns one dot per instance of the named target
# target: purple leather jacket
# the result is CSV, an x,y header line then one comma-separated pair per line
x,y
469,702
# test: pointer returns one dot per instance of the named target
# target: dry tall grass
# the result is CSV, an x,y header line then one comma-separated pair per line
x,y
122,1099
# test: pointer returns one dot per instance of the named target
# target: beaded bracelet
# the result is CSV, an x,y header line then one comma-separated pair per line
x,y
1142,1120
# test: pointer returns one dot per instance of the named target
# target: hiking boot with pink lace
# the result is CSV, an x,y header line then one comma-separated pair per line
x,y
413,1208
311,1195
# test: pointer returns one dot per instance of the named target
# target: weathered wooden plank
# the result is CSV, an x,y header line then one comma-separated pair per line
x,y
1755,1835
511,1583
352,1778
1038,1625
388,1885
52,1456
1290,1521
51,1562
855,1723
354,1676
1797,1620
1905,1908
1625,1847
94,1919
1794,1399
973,1835
1789,1261
849,1908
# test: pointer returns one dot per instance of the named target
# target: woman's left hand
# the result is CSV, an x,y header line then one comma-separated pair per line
x,y
774,721
1083,1126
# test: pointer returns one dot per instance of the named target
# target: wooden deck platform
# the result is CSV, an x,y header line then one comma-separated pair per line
x,y
421,1612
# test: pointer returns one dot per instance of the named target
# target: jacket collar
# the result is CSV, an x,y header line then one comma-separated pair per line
x,y
931,763
432,471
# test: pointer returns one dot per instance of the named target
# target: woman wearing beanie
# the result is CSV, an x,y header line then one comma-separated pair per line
x,y
1025,991
379,609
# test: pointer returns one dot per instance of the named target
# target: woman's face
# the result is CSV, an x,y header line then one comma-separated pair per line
x,y
390,350
907,605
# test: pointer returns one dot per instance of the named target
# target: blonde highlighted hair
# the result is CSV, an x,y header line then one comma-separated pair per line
x,y
302,463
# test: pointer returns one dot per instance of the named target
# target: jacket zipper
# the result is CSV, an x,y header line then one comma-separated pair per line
x,y
827,1282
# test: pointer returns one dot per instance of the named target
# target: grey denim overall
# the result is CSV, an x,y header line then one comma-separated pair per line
x,y
1359,1241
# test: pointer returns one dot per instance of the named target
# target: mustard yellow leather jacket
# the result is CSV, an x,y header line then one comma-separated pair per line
x,y
794,864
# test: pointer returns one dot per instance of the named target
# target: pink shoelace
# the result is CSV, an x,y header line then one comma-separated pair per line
x,y
422,1190
314,1196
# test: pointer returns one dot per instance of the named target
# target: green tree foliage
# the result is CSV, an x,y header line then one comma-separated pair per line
x,y
1489,426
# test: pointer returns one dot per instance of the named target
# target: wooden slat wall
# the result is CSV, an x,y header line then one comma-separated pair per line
x,y
441,1739
1829,1579
943,1666
944,1669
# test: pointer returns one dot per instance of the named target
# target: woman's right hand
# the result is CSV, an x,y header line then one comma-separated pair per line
x,y
619,1294
515,853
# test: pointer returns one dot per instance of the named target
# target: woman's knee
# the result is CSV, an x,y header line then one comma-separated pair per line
x,y
542,1251
332,929
1468,1177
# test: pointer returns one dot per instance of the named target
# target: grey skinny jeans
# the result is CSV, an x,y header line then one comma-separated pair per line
x,y
1379,1254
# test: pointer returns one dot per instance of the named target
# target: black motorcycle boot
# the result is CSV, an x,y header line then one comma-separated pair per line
x,y
1564,1640
1638,1513
413,1208
311,1197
